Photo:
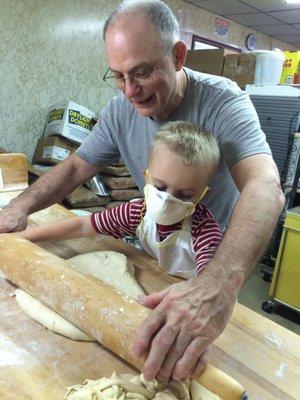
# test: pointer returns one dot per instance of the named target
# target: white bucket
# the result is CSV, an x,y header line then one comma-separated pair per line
x,y
268,67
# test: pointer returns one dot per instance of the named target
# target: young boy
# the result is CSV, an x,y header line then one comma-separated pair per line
x,y
170,223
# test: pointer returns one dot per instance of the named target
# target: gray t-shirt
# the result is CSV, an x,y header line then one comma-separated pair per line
x,y
215,103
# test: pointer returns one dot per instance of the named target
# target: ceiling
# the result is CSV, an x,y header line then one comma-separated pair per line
x,y
272,17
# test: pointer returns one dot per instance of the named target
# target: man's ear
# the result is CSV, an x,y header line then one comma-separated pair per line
x,y
179,55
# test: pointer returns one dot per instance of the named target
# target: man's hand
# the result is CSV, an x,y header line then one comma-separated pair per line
x,y
186,318
50,188
12,219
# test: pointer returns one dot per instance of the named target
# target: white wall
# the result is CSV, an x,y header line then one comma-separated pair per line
x,y
52,50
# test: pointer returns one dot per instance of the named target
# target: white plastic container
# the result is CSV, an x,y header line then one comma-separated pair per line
x,y
268,67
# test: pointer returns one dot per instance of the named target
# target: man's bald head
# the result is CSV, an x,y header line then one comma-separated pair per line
x,y
157,12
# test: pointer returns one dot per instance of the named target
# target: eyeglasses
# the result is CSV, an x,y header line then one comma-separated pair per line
x,y
140,77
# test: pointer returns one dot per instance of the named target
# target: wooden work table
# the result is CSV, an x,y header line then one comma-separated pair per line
x,y
37,364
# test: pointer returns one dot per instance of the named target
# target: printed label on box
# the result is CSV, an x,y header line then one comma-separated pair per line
x,y
56,115
57,153
77,118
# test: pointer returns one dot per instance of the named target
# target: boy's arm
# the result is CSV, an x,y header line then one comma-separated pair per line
x,y
115,222
120,220
70,228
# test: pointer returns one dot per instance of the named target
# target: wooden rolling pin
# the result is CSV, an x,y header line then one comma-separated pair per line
x,y
96,308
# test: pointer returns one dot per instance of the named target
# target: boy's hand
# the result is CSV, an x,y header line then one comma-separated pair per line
x,y
186,318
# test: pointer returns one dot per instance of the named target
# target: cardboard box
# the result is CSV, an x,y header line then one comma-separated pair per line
x,y
71,121
291,68
209,61
52,150
240,68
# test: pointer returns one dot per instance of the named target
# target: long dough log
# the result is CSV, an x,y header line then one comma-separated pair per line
x,y
97,309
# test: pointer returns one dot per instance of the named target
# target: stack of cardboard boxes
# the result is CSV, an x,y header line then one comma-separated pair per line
x,y
233,65
66,128
240,67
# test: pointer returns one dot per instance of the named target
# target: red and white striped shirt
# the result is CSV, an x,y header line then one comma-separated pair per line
x,y
124,219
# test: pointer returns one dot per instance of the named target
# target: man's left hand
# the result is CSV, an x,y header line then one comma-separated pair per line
x,y
186,318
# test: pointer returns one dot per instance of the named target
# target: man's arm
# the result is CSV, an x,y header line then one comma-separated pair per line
x,y
50,188
190,315
255,214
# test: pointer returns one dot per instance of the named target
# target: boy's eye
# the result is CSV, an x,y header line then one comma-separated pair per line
x,y
161,188
184,198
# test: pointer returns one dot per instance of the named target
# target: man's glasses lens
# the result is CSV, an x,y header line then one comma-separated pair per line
x,y
138,78
114,82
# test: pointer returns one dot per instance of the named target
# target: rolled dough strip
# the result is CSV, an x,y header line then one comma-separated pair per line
x,y
49,318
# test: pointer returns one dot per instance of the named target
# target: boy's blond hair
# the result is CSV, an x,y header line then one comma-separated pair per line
x,y
190,142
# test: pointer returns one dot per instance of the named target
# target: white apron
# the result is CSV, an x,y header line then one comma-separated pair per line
x,y
175,254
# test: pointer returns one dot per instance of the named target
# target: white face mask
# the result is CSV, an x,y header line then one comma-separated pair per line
x,y
166,209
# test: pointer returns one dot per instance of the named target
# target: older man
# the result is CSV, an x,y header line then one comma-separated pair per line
x,y
146,61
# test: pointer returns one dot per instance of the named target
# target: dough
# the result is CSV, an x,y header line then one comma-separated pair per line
x,y
109,266
128,386
49,318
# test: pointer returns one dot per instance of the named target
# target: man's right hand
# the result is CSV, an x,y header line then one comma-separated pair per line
x,y
50,188
12,219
